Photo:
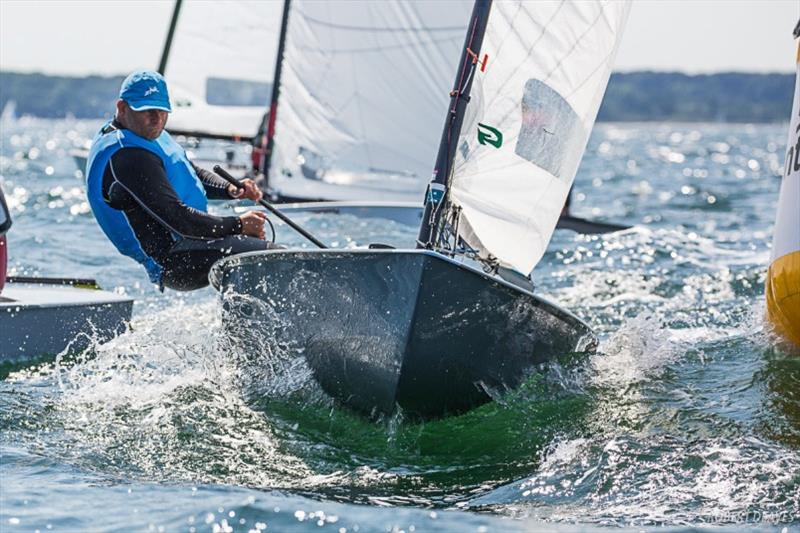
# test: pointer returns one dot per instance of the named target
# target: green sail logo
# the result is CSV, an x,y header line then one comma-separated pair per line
x,y
490,135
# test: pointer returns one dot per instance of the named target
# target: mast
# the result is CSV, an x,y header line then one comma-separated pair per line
x,y
276,89
162,65
436,194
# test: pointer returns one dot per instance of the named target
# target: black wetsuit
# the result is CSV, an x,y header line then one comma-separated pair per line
x,y
183,240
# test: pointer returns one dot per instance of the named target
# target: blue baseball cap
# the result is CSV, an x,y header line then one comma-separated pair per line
x,y
145,89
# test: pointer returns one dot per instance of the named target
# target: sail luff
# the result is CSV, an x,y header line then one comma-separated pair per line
x,y
459,98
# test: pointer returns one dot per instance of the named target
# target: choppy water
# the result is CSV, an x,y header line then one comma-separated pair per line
x,y
688,414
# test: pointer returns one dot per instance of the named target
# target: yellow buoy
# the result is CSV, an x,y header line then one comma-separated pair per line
x,y
783,276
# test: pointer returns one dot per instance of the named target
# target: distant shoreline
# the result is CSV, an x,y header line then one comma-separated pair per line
x,y
646,96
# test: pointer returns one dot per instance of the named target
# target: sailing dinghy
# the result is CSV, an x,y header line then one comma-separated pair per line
x,y
45,316
438,330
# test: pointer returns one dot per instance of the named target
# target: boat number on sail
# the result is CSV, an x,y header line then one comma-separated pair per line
x,y
793,153
488,134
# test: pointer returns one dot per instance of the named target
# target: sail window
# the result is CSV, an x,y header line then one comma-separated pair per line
x,y
237,92
551,134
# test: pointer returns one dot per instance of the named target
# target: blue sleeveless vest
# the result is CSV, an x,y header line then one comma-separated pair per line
x,y
114,223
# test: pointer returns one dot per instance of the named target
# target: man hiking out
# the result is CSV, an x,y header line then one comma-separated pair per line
x,y
152,202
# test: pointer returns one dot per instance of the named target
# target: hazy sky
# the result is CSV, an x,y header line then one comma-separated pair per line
x,y
117,36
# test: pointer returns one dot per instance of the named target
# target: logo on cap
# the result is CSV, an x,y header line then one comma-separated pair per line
x,y
151,90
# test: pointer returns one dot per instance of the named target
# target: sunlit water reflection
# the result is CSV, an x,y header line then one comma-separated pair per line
x,y
687,415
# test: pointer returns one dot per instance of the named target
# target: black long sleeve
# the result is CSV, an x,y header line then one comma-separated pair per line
x,y
136,183
216,187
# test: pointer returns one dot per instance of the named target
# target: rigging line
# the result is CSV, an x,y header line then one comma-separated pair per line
x,y
468,65
469,69
459,89
385,29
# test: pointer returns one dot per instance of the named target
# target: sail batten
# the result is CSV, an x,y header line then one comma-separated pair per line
x,y
526,127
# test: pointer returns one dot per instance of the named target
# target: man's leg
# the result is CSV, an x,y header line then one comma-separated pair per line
x,y
186,268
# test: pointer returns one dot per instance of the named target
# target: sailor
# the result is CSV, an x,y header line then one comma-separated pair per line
x,y
152,202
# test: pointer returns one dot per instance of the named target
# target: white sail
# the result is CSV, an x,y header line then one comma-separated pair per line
x,y
363,87
220,68
786,238
782,288
533,104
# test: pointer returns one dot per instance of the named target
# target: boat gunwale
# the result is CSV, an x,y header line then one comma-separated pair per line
x,y
10,302
215,273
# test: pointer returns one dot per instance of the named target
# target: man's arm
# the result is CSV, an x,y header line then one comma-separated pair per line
x,y
219,189
216,187
138,176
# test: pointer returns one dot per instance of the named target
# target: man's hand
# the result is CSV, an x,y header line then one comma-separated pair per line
x,y
253,224
250,191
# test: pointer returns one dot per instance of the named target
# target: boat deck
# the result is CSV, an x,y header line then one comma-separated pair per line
x,y
41,319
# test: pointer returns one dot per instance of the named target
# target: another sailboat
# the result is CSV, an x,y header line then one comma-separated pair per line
x,y
428,330
359,111
219,58
357,117
44,316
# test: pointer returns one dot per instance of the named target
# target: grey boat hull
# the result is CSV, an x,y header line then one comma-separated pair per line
x,y
408,328
41,319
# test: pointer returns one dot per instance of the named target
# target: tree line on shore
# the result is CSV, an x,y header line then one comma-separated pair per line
x,y
634,96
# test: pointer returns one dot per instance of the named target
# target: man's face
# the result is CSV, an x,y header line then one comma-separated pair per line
x,y
148,124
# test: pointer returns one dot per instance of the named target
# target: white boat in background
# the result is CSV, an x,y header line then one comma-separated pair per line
x,y
347,127
443,328
42,317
